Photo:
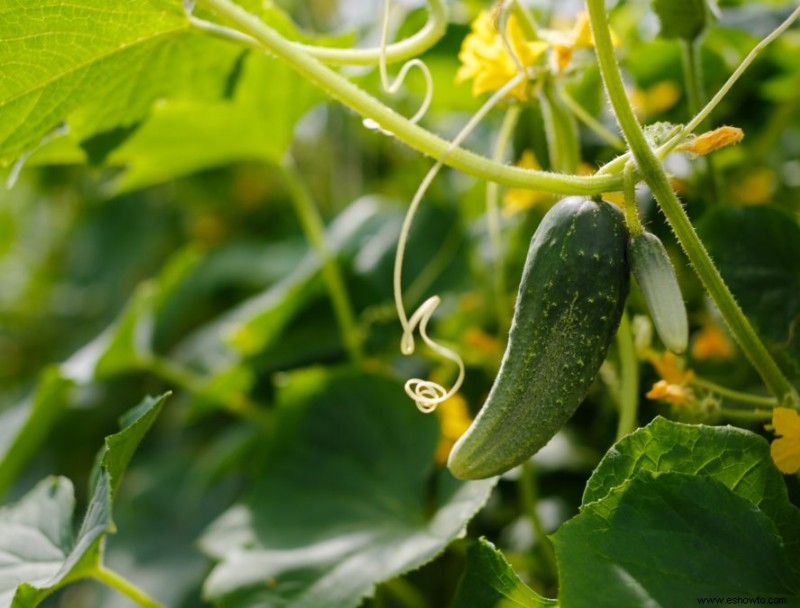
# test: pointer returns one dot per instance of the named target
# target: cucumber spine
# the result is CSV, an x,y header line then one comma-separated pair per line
x,y
569,305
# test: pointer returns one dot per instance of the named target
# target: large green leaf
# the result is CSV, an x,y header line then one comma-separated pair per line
x,y
490,582
183,136
667,539
349,497
109,58
24,425
736,458
36,553
757,250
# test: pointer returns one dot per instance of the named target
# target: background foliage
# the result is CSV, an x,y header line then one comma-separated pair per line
x,y
151,242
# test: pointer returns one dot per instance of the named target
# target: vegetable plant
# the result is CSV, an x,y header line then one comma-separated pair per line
x,y
447,304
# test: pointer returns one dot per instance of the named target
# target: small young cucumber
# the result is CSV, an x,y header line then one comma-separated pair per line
x,y
654,273
569,305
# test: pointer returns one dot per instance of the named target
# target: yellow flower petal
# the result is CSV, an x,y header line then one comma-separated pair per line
x,y
785,450
670,367
712,140
672,393
454,420
712,343
516,200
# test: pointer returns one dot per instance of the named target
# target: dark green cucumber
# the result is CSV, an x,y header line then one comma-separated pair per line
x,y
569,305
654,273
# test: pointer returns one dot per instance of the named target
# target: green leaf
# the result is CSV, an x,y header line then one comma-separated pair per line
x,y
738,459
490,582
108,58
184,136
684,19
35,533
349,497
667,539
757,250
25,425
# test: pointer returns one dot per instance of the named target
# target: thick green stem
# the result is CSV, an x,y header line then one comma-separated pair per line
x,y
631,207
314,229
124,586
629,379
341,89
746,415
414,45
493,222
653,173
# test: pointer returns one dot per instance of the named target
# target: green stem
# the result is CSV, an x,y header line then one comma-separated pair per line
x,y
493,221
563,143
529,496
590,121
629,378
746,415
616,165
124,586
734,395
653,173
341,89
631,208
414,45
238,405
408,595
314,229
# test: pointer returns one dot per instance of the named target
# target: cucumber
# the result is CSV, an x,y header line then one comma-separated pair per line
x,y
655,275
569,306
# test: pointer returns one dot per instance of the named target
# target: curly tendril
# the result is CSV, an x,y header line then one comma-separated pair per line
x,y
392,87
426,393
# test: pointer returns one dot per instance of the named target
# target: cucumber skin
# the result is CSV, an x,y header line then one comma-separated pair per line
x,y
655,275
569,305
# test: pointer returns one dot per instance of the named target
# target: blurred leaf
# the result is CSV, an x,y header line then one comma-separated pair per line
x,y
183,136
349,497
35,533
490,582
738,459
25,425
666,539
109,57
685,19
757,251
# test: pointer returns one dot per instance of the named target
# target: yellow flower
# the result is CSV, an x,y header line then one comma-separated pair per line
x,y
485,58
712,343
785,450
672,393
712,140
454,419
674,379
564,42
656,99
522,199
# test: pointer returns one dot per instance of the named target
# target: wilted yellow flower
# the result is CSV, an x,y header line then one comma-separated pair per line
x,y
485,58
785,450
565,41
522,199
674,379
656,99
712,343
454,420
672,393
712,140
